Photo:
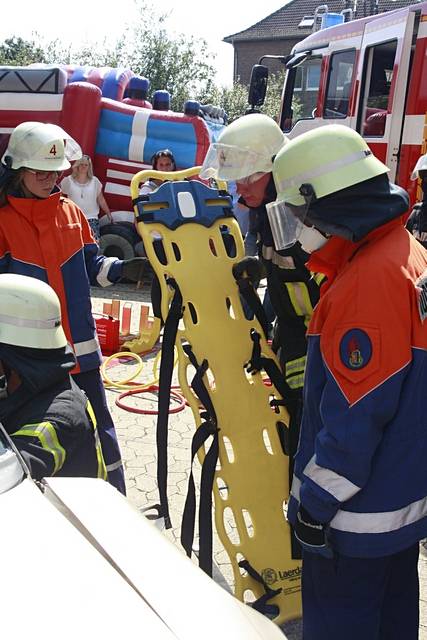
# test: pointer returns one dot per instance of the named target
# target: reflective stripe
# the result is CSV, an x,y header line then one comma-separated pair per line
x,y
322,169
102,277
318,277
31,323
338,486
294,366
300,299
114,465
284,262
88,346
296,382
296,488
45,432
102,470
380,522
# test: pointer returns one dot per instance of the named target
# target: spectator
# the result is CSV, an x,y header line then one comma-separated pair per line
x,y
360,485
45,413
162,160
46,236
85,190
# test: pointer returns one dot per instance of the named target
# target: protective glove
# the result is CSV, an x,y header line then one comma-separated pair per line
x,y
252,268
133,269
312,535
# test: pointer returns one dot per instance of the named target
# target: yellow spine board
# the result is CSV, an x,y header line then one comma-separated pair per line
x,y
251,484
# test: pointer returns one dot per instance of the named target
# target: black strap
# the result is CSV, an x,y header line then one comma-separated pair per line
x,y
249,294
258,362
261,604
165,379
206,429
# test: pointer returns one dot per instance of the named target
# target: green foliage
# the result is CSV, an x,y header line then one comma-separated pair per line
x,y
271,106
235,99
18,52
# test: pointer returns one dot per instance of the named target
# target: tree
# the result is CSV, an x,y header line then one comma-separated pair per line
x,y
19,52
181,65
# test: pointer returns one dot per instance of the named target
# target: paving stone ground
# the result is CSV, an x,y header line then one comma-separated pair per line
x,y
137,438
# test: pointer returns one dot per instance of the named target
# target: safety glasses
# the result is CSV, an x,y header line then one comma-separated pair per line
x,y
42,175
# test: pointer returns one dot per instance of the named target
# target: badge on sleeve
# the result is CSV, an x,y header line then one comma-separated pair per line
x,y
355,349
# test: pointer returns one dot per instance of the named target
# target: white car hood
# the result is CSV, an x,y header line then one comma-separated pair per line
x,y
110,574
53,584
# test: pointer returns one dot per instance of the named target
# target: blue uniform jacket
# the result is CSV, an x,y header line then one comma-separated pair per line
x,y
361,464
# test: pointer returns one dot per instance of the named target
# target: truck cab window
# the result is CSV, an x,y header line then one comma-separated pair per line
x,y
302,89
340,76
378,75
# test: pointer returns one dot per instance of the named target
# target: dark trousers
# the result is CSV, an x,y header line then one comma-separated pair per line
x,y
361,598
91,383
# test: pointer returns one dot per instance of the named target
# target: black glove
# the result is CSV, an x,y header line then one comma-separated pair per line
x,y
312,534
252,268
133,269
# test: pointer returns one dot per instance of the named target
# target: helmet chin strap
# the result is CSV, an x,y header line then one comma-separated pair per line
x,y
311,239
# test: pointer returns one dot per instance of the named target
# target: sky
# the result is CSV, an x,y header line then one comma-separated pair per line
x,y
92,20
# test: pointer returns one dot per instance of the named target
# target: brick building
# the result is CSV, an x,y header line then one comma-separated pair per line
x,y
280,31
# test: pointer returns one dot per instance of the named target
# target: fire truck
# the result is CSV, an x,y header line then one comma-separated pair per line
x,y
369,74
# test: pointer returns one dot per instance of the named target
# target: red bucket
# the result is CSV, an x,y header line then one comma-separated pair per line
x,y
108,329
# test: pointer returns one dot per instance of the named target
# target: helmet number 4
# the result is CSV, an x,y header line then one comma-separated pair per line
x,y
53,150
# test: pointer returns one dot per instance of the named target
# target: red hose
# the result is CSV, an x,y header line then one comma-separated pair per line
x,y
151,412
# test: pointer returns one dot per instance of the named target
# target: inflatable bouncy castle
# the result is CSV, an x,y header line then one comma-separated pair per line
x,y
106,110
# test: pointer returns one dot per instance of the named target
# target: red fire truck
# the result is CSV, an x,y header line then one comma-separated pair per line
x,y
369,74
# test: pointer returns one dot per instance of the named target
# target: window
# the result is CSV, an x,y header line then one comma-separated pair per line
x,y
302,89
339,84
307,21
378,76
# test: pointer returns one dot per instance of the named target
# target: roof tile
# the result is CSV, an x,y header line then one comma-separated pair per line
x,y
284,22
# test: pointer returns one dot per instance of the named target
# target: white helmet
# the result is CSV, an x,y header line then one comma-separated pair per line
x,y
30,313
40,146
247,146
420,166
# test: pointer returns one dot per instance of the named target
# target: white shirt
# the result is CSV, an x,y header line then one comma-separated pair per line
x,y
83,195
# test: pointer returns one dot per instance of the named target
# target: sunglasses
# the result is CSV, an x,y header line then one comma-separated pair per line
x,y
42,175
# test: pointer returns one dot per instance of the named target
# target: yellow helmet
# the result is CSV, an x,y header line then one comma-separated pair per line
x,y
30,313
329,159
312,166
247,146
45,147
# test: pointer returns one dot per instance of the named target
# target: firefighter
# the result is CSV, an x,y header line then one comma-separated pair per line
x,y
359,494
244,153
417,222
45,413
46,236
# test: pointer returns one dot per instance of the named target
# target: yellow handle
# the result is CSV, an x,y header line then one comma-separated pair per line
x,y
144,175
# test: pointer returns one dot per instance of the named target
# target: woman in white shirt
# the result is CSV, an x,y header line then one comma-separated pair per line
x,y
85,190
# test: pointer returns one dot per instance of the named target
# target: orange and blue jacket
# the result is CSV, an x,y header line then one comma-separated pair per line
x,y
50,239
361,464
